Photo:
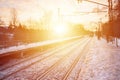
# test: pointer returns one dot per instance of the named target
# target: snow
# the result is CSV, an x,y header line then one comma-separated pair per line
x,y
59,72
31,45
119,41
39,68
102,62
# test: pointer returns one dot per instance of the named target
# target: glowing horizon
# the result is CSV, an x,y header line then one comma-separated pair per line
x,y
36,10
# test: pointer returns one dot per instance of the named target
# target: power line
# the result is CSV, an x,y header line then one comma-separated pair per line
x,y
96,3
79,1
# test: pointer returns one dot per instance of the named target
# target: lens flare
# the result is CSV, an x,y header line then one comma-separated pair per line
x,y
60,29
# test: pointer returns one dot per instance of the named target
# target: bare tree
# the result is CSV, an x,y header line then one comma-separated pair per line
x,y
46,19
116,10
14,16
1,22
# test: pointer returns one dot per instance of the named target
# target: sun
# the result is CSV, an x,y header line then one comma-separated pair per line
x,y
60,29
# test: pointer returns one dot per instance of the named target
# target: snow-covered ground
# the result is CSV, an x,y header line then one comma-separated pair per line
x,y
40,67
102,62
32,45
119,42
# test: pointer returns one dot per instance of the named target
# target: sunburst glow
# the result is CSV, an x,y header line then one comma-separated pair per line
x,y
60,29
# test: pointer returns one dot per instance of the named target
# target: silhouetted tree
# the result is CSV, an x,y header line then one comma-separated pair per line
x,y
117,7
1,22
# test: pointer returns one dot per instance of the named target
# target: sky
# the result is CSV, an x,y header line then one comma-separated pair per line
x,y
69,10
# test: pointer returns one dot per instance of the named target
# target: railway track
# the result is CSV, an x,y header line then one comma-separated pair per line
x,y
28,65
78,59
4,67
44,74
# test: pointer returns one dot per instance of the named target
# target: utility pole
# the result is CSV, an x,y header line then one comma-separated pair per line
x,y
110,12
59,15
